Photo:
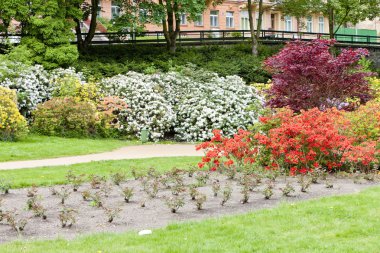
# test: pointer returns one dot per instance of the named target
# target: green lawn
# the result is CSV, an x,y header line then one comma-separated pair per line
x,y
39,147
56,175
341,224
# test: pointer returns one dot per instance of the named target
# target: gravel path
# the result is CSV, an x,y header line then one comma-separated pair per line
x,y
130,152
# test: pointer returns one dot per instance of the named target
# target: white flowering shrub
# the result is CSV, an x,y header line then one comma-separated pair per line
x,y
30,82
33,84
188,104
147,108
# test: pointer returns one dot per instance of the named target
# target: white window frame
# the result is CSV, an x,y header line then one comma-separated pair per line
x,y
99,11
309,24
183,18
321,24
199,21
288,23
244,20
230,19
115,10
214,18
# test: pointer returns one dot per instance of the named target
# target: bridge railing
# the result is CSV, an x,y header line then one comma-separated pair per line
x,y
210,36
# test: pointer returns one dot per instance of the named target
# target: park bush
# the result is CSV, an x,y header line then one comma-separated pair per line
x,y
296,142
30,82
307,75
108,61
66,117
13,125
187,104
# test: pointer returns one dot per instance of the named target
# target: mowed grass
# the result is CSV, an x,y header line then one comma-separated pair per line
x,y
39,147
346,224
46,176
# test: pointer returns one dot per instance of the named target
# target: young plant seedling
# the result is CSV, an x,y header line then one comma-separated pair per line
x,y
32,201
200,199
96,181
231,173
245,192
193,191
86,195
215,187
96,200
53,191
369,176
112,213
67,217
127,193
39,210
268,192
142,202
202,177
106,188
5,185
63,194
288,190
75,180
32,191
191,171
329,184
118,178
152,188
174,203
227,191
1,209
17,224
305,183
177,189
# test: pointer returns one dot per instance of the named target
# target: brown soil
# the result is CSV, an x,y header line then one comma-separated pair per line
x,y
156,214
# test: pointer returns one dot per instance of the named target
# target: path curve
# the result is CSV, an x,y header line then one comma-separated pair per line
x,y
129,152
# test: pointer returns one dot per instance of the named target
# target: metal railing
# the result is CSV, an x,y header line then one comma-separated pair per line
x,y
212,37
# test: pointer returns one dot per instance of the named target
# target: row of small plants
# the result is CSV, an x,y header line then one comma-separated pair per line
x,y
180,183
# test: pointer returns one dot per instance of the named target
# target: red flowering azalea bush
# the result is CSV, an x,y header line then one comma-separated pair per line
x,y
307,75
228,151
299,143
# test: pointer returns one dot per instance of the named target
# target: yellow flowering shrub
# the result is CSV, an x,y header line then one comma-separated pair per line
x,y
13,125
71,86
375,85
365,122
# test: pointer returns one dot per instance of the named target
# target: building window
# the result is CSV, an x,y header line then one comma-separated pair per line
x,y
115,9
214,18
183,19
321,24
272,21
288,23
99,11
309,24
244,20
229,19
199,20
143,15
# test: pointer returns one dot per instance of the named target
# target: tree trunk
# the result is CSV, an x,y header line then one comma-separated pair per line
x,y
260,19
171,26
252,28
331,21
84,43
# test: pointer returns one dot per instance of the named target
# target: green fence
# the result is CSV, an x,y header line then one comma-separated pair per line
x,y
351,35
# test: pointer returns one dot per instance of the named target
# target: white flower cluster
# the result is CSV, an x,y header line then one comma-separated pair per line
x,y
146,107
33,84
187,104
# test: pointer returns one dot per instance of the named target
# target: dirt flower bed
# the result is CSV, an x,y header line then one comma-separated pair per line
x,y
151,201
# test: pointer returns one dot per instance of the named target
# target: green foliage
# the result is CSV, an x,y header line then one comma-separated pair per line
x,y
66,117
225,60
13,125
48,25
71,86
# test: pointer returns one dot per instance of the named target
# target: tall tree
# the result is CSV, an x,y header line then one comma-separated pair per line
x,y
48,31
299,9
341,12
11,10
166,13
